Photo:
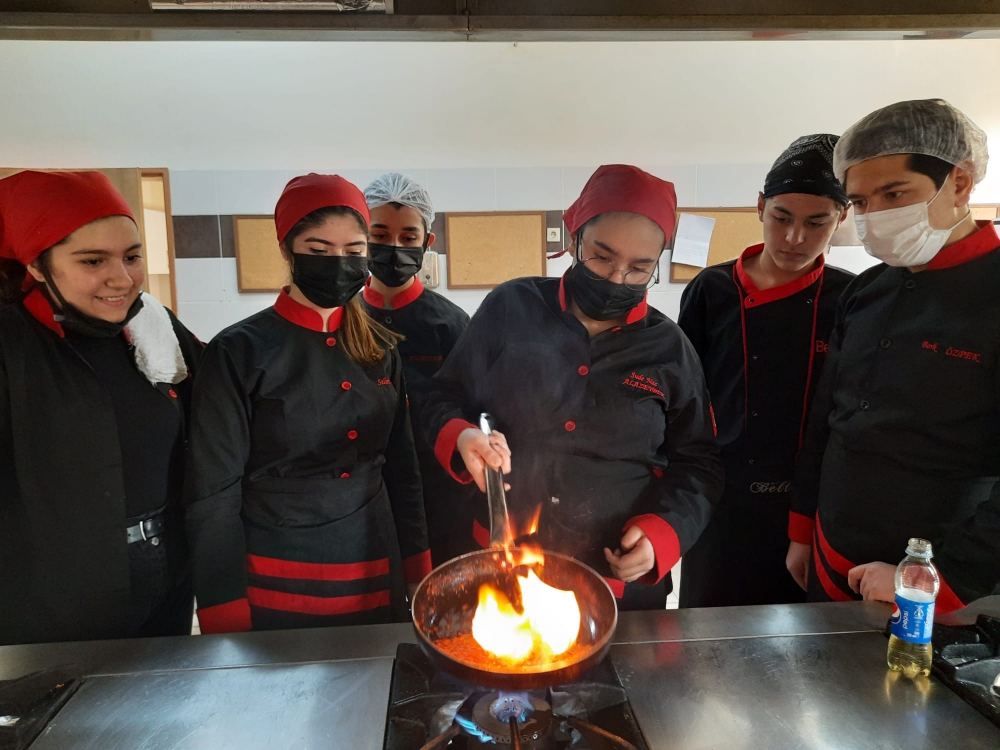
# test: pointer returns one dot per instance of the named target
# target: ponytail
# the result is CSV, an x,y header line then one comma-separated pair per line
x,y
365,340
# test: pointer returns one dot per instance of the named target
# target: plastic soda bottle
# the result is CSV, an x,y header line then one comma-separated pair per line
x,y
917,586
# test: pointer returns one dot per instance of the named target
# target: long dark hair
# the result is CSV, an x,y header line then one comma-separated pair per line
x,y
364,340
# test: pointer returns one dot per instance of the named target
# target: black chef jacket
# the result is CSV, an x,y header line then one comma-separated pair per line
x,y
762,351
431,326
904,434
294,517
606,432
64,558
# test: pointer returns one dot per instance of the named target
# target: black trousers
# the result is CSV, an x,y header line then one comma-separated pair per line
x,y
162,598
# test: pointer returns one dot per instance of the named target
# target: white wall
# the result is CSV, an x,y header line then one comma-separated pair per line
x,y
297,105
483,126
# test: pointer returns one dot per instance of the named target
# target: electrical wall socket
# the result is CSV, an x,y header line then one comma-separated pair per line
x,y
553,234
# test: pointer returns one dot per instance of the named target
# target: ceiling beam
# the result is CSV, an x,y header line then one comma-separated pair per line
x,y
303,26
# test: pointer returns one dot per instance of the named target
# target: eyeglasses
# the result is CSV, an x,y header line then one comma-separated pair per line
x,y
603,268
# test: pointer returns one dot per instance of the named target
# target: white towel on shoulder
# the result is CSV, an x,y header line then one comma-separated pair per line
x,y
157,351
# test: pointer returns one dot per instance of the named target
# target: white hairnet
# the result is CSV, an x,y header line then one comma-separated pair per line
x,y
931,127
394,187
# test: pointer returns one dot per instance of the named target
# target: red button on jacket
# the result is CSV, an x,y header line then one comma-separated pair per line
x,y
331,341
346,385
570,426
583,369
352,435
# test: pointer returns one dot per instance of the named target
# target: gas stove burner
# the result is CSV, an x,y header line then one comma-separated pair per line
x,y
493,716
431,710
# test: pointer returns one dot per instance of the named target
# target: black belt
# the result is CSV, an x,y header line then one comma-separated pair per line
x,y
149,529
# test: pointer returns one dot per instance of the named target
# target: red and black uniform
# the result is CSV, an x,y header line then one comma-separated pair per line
x,y
92,429
304,500
606,432
431,326
762,352
86,444
904,434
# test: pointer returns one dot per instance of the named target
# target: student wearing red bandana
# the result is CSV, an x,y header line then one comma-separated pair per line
x,y
904,435
304,501
601,398
95,385
761,325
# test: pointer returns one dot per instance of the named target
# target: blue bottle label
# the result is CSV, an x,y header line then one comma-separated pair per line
x,y
913,621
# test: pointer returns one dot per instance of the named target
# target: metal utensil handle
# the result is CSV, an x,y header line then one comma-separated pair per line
x,y
495,496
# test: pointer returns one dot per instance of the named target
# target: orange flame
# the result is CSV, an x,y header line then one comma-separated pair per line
x,y
549,624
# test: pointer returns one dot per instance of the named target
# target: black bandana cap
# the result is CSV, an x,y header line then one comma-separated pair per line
x,y
806,167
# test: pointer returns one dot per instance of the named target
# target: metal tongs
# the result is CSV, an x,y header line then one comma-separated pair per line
x,y
495,496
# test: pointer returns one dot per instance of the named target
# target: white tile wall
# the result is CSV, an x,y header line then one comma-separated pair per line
x,y
249,192
462,189
203,319
685,179
200,279
529,189
193,194
729,185
207,290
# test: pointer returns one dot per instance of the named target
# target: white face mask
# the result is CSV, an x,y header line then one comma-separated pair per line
x,y
903,236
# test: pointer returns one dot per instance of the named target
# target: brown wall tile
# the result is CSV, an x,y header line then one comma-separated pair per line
x,y
441,238
228,241
196,237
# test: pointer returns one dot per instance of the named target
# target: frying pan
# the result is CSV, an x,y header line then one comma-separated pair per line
x,y
446,600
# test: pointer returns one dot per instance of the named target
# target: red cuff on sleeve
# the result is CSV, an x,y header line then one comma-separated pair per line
x,y
800,528
416,567
480,534
446,445
947,600
231,617
666,545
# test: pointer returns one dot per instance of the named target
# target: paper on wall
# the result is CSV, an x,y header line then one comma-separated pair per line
x,y
692,241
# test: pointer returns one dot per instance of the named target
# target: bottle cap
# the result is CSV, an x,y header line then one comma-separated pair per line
x,y
920,548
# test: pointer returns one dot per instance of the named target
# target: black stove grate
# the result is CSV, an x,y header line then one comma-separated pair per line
x,y
424,703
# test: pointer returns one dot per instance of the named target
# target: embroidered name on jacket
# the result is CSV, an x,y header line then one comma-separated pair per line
x,y
643,383
953,352
384,381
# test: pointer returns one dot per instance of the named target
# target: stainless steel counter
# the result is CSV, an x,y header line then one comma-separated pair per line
x,y
800,677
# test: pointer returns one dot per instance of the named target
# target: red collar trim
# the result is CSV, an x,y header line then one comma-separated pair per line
x,y
636,314
974,246
303,316
756,297
402,299
40,309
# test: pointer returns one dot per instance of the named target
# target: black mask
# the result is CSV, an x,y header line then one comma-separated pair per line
x,y
393,265
600,299
329,281
75,321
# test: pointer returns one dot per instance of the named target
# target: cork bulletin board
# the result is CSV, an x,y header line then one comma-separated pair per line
x,y
260,266
736,229
487,249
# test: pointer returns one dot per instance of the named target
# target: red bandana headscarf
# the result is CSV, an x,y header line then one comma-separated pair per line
x,y
311,192
40,209
618,187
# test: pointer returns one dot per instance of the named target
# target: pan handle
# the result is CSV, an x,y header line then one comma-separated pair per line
x,y
495,496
